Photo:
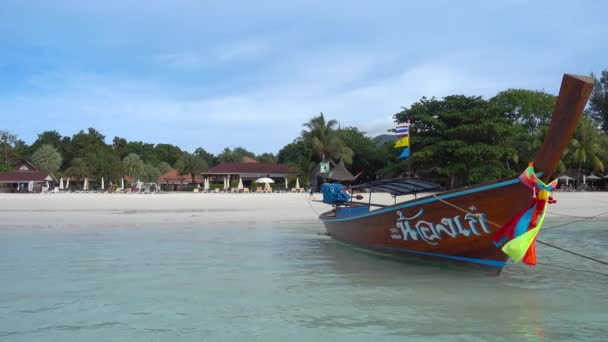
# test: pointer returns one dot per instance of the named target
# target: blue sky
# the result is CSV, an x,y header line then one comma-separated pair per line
x,y
225,73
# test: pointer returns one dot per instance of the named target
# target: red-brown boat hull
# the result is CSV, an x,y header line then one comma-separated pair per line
x,y
456,226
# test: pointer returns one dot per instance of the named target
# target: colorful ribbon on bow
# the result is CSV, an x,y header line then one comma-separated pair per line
x,y
521,230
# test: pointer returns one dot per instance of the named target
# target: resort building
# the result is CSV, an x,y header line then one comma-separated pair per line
x,y
248,171
173,181
26,178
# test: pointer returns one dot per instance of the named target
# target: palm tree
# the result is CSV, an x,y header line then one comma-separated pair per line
x,y
191,164
47,158
133,166
324,141
586,148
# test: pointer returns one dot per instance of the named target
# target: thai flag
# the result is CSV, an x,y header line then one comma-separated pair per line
x,y
402,131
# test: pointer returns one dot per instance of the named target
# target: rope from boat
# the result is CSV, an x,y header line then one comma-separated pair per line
x,y
311,207
537,240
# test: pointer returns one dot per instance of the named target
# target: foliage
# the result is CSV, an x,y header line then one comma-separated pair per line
x,y
598,103
191,164
47,158
586,148
463,138
167,153
324,142
266,158
133,166
208,157
296,155
369,158
527,108
164,168
151,173
233,156
78,168
8,143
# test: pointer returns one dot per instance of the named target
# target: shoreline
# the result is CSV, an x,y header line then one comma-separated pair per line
x,y
120,210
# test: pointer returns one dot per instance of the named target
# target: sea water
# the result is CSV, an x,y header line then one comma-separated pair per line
x,y
286,282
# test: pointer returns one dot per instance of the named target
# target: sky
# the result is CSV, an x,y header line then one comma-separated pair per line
x,y
218,74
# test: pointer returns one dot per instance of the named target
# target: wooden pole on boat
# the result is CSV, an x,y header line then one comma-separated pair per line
x,y
573,95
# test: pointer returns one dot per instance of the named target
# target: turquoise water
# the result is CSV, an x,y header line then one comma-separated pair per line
x,y
278,282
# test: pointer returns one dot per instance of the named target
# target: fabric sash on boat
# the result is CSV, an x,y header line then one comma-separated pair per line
x,y
521,231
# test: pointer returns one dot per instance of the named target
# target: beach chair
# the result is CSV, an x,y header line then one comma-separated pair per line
x,y
258,189
294,190
246,190
195,190
216,191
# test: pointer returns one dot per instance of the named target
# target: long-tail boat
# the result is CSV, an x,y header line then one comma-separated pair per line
x,y
484,225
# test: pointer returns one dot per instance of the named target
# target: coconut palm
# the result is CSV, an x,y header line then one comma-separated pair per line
x,y
191,164
324,142
585,147
47,158
133,166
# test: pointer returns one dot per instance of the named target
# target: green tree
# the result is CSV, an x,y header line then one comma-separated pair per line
x,y
296,154
208,157
234,156
598,103
463,138
266,158
8,141
586,148
324,141
190,164
78,168
369,158
47,158
167,153
164,167
528,108
133,166
151,173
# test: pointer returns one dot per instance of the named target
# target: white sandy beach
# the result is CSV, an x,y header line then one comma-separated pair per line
x,y
120,210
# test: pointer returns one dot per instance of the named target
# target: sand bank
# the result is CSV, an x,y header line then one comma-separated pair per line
x,y
119,210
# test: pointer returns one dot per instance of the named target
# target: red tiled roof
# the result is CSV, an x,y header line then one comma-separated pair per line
x,y
23,176
250,168
173,176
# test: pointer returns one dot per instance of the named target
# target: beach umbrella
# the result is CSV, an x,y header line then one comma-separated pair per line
x,y
61,183
584,179
139,185
593,177
67,183
605,176
102,184
207,184
264,180
566,178
297,183
86,184
225,183
122,183
30,186
240,186
286,185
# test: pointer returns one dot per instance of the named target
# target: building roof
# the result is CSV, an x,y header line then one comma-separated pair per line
x,y
340,173
174,177
25,176
261,168
24,165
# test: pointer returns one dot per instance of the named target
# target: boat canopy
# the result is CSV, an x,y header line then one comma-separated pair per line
x,y
400,186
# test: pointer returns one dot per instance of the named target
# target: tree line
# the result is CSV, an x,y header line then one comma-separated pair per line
x,y
457,140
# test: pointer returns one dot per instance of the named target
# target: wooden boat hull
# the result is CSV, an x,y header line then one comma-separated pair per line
x,y
458,225
455,226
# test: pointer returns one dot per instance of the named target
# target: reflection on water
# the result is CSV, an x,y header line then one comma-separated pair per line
x,y
272,282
